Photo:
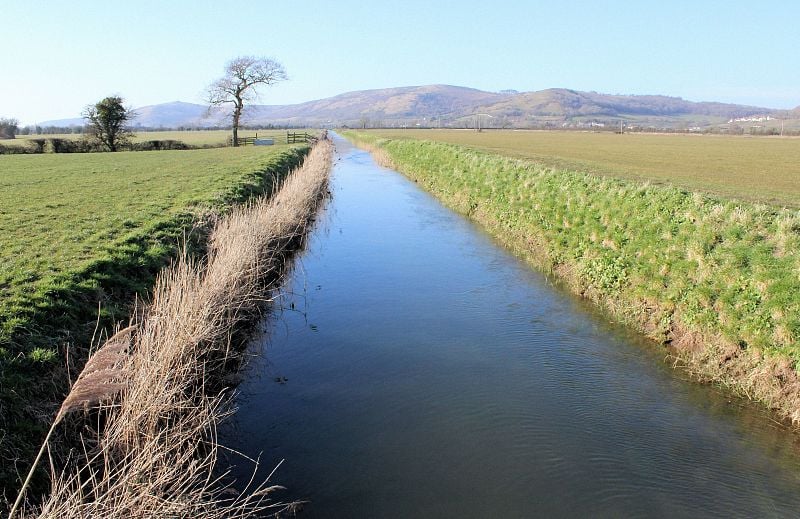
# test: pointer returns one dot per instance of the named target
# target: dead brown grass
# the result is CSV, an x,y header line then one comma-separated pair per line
x,y
155,453
103,377
380,155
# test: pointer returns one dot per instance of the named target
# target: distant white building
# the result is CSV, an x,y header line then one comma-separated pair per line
x,y
752,119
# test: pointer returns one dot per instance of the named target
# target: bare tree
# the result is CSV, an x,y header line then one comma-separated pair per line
x,y
243,76
8,128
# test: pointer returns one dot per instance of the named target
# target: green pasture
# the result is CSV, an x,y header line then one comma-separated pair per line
x,y
759,169
61,212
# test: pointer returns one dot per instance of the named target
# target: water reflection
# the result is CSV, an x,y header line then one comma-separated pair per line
x,y
425,372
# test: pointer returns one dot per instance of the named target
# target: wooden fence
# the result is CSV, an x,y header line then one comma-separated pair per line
x,y
294,137
244,141
291,138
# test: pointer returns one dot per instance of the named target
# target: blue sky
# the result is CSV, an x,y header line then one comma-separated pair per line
x,y
59,56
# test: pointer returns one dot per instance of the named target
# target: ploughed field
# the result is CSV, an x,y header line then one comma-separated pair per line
x,y
757,169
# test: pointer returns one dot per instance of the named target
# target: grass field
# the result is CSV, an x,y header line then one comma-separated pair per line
x,y
192,138
717,278
81,229
59,213
760,169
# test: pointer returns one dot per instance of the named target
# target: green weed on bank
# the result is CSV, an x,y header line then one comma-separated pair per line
x,y
755,169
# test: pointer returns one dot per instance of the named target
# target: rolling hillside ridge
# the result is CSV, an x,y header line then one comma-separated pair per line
x,y
454,106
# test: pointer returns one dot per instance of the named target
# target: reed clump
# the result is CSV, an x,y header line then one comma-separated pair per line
x,y
716,279
155,452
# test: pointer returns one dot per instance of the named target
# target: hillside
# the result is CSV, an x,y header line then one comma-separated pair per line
x,y
570,103
166,115
445,105
401,103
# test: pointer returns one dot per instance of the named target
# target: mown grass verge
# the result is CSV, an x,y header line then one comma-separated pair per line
x,y
82,233
718,280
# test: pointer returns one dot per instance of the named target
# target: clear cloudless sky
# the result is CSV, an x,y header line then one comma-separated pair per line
x,y
58,56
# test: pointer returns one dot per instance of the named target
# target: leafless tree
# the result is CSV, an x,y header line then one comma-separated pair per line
x,y
243,76
8,128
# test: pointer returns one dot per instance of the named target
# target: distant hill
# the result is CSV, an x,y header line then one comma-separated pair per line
x,y
570,103
391,104
74,121
167,114
445,105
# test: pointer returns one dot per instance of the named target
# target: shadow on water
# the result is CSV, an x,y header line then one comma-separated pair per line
x,y
418,369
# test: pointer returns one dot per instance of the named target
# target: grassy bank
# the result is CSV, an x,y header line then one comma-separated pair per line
x,y
82,234
756,169
162,381
717,279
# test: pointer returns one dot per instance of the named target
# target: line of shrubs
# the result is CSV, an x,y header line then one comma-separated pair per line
x,y
58,145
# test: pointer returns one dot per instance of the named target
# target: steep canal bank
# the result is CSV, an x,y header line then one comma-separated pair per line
x,y
716,279
418,369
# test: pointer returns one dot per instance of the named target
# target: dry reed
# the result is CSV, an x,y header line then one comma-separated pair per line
x,y
156,452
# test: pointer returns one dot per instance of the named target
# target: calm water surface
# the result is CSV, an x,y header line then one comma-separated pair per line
x,y
431,374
